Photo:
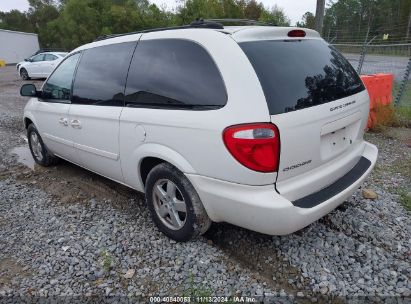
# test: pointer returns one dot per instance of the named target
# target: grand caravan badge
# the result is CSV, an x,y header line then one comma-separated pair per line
x,y
342,106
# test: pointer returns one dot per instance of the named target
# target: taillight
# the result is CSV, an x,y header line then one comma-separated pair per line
x,y
296,33
256,146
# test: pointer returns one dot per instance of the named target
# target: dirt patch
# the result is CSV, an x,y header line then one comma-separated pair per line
x,y
9,269
253,253
403,134
72,184
3,221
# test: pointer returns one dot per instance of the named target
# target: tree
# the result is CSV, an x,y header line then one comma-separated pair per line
x,y
15,21
349,20
308,21
193,9
70,23
253,10
82,21
275,16
39,15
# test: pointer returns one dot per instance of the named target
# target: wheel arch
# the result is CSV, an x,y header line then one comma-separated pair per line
x,y
27,121
150,155
146,165
25,68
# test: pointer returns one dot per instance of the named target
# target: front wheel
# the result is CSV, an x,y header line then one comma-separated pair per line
x,y
174,204
37,148
24,74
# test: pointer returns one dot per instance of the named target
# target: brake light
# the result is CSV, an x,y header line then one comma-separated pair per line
x,y
296,33
255,146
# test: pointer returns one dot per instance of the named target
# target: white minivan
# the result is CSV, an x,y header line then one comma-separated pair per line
x,y
258,126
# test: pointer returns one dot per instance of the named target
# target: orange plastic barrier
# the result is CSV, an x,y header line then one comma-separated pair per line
x,y
385,87
370,83
379,87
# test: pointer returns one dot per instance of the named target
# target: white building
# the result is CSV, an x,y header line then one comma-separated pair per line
x,y
16,46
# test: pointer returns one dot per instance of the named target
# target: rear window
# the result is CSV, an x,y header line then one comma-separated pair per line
x,y
174,74
301,73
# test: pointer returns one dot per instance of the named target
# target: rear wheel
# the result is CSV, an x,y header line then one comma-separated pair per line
x,y
174,204
24,74
37,148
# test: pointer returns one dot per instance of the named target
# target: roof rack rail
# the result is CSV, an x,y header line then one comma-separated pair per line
x,y
198,23
244,21
201,23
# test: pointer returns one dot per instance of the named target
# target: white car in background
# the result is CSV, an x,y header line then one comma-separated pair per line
x,y
40,65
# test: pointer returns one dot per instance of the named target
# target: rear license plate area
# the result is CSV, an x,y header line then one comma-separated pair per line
x,y
338,141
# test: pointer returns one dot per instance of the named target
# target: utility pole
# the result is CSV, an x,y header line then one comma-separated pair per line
x,y
319,16
409,26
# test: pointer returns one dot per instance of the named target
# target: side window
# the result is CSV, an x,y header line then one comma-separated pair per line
x,y
58,86
38,58
49,57
101,75
174,73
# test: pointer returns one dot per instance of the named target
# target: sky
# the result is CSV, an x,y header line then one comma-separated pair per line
x,y
294,9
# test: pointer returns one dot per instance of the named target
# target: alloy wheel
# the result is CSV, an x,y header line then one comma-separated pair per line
x,y
24,74
36,147
169,204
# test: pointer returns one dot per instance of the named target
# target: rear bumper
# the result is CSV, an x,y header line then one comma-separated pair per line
x,y
262,209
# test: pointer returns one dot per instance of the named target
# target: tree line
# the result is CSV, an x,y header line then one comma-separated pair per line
x,y
67,24
348,21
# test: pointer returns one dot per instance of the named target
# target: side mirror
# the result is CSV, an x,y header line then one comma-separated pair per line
x,y
28,90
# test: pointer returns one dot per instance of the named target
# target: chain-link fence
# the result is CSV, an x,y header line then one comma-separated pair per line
x,y
393,58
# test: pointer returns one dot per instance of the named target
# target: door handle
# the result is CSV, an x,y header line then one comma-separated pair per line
x,y
63,121
75,123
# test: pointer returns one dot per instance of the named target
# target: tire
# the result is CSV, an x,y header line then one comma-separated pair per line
x,y
38,150
166,206
24,74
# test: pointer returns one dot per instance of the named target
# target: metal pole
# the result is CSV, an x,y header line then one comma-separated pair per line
x,y
364,49
407,35
404,83
319,16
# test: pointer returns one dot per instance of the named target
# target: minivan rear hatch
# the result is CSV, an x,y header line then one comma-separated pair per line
x,y
319,104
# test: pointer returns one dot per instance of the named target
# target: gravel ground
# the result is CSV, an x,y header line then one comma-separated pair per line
x,y
66,231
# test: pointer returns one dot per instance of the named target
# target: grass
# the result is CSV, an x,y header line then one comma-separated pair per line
x,y
397,115
401,166
391,116
195,290
199,293
107,260
404,111
406,97
405,200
